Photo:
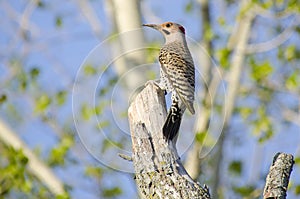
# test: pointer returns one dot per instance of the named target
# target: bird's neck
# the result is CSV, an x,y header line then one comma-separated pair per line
x,y
178,37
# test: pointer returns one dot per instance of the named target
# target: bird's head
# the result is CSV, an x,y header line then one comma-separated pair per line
x,y
170,30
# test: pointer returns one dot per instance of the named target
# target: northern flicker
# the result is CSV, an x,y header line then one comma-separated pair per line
x,y
177,75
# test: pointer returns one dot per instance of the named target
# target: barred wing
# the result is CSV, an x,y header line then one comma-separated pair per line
x,y
180,72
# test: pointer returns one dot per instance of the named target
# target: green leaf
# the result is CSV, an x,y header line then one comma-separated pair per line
x,y
60,97
223,57
260,71
244,190
63,196
94,171
208,34
27,186
3,98
221,21
34,73
200,136
12,170
107,143
245,112
58,21
280,53
42,103
189,6
89,70
67,141
112,192
58,153
100,107
263,126
103,91
235,167
266,135
103,124
98,110
297,161
290,52
297,29
293,6
112,81
205,139
23,80
297,190
40,4
293,81
86,112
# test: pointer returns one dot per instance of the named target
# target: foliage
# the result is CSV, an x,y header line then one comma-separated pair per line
x,y
235,167
43,44
16,180
244,191
112,192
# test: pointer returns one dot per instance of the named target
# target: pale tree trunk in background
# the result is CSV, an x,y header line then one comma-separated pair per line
x,y
130,46
35,166
240,36
192,162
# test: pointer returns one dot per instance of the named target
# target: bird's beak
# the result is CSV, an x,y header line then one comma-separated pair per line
x,y
154,26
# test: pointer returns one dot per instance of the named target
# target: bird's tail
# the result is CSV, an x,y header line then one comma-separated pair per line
x,y
172,123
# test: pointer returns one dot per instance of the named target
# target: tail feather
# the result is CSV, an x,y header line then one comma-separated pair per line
x,y
172,123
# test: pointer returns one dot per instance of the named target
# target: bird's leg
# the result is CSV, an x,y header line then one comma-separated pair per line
x,y
174,109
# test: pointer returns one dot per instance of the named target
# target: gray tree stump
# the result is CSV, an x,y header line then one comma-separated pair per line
x,y
159,171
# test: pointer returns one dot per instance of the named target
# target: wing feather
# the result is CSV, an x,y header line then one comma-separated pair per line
x,y
181,74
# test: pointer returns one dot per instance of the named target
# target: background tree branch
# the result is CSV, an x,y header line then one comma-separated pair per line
x,y
193,161
278,178
35,166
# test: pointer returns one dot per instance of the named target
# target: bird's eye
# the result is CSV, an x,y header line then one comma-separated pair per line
x,y
168,25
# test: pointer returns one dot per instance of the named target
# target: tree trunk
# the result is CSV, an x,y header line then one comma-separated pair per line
x,y
278,178
237,42
159,171
129,49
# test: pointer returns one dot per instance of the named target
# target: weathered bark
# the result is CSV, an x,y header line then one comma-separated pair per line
x,y
278,178
159,171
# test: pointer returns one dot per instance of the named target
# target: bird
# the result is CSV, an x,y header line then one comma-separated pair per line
x,y
177,75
